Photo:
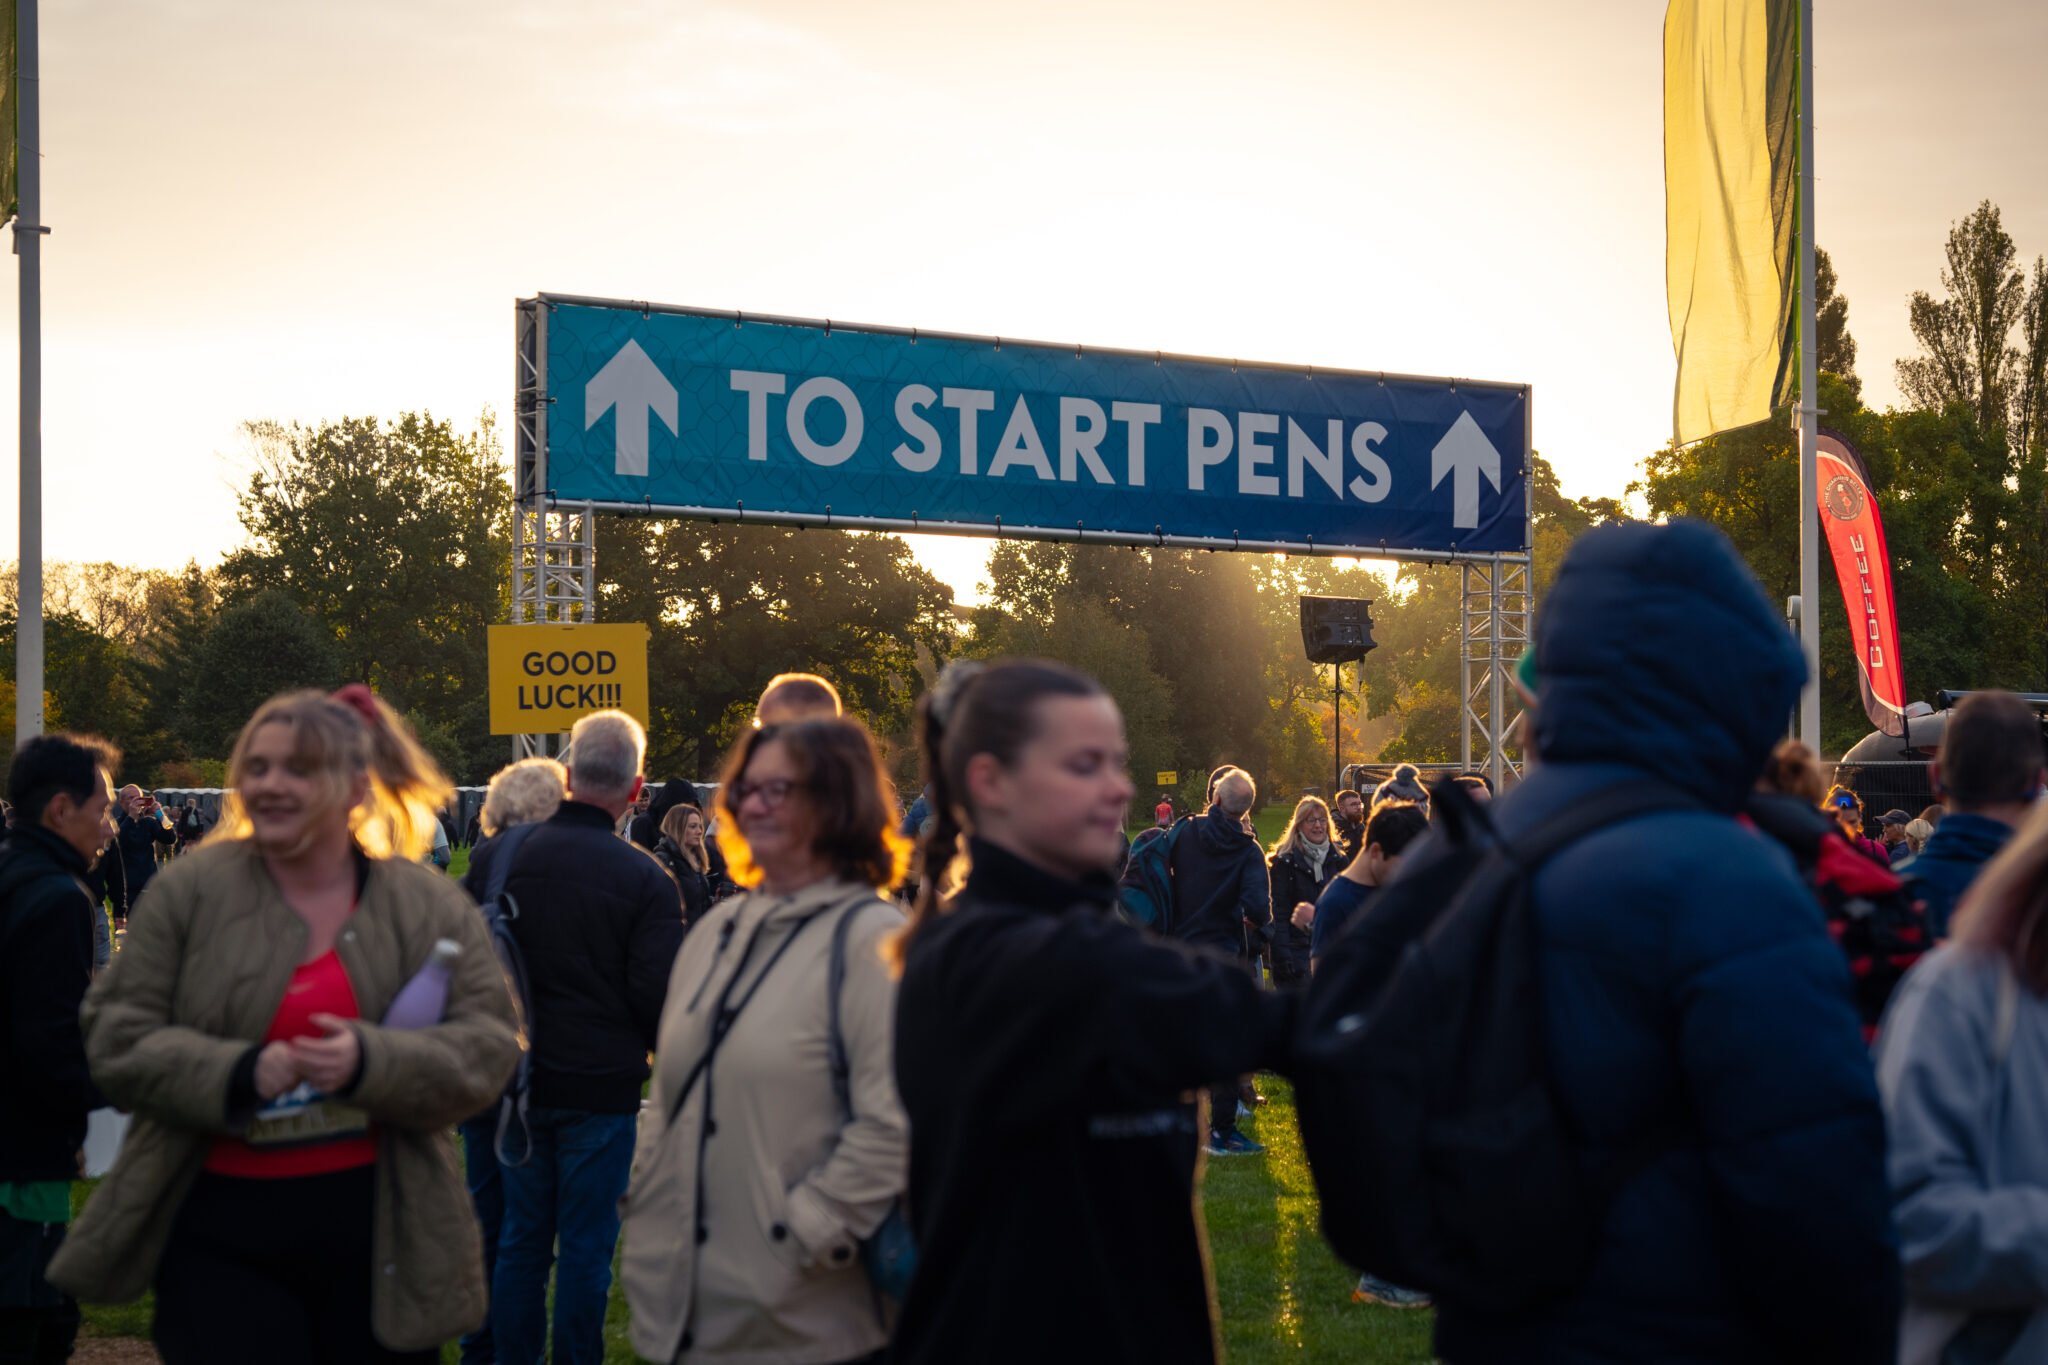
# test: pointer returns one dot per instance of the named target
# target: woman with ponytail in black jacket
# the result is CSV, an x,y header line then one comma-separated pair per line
x,y
1045,1050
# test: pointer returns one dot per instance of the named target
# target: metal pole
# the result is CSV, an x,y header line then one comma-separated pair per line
x,y
1809,402
1336,729
1497,670
28,245
1464,668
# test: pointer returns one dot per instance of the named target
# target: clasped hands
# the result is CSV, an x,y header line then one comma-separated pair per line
x,y
327,1063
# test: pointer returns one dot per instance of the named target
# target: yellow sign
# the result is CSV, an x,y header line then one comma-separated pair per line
x,y
1169,779
546,678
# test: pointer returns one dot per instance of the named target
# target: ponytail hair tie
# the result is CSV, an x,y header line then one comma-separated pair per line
x,y
358,698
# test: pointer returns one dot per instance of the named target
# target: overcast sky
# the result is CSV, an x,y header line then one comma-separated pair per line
x,y
297,210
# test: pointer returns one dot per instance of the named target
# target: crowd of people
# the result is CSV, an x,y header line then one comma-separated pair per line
x,y
840,1083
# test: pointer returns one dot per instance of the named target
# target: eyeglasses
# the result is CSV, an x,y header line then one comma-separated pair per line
x,y
772,791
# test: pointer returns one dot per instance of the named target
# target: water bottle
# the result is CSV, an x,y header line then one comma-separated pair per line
x,y
421,1001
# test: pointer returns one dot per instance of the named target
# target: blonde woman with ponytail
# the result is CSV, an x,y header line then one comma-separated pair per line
x,y
289,1187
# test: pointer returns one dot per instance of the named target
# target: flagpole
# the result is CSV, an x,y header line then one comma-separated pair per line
x,y
28,245
1809,401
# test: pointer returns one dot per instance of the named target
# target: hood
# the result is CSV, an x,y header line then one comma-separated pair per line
x,y
675,792
1221,833
1657,648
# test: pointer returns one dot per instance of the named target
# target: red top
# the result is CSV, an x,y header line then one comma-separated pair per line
x,y
294,1136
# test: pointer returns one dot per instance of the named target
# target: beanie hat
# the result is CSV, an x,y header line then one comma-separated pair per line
x,y
1404,785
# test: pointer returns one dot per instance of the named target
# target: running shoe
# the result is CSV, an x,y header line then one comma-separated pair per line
x,y
1234,1143
1371,1290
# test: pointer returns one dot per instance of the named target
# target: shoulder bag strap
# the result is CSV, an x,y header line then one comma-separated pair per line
x,y
835,1037
724,1015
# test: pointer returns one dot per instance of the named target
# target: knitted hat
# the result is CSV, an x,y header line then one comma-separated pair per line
x,y
1404,785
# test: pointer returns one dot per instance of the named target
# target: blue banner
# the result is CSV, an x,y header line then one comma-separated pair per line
x,y
724,414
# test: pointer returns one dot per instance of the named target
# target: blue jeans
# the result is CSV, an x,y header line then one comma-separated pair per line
x,y
567,1192
487,1193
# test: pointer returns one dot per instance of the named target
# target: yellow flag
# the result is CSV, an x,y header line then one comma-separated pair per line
x,y
1731,207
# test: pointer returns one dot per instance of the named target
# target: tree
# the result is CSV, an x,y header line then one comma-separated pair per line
x,y
1968,358
1197,617
1963,522
1836,349
255,649
1556,521
728,607
1078,630
2031,423
395,537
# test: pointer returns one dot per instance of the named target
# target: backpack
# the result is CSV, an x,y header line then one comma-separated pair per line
x,y
1439,1150
500,913
1144,894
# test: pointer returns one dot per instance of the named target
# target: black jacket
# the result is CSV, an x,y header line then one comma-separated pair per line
x,y
599,924
645,830
1043,1050
1350,838
1219,883
699,889
138,842
45,965
1292,882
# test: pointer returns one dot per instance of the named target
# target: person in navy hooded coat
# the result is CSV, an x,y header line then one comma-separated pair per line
x,y
1698,1017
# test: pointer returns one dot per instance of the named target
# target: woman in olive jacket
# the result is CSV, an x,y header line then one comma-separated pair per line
x,y
289,1186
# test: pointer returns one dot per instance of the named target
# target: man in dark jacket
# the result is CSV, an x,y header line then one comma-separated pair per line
x,y
143,829
1221,895
1989,772
1697,1016
1349,819
599,924
62,795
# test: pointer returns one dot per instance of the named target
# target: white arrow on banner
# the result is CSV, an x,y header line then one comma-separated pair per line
x,y
1464,453
633,384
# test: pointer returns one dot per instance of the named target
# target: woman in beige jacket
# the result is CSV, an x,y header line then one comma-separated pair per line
x,y
289,1186
753,1185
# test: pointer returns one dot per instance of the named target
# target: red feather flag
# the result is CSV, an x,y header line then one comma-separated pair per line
x,y
1848,514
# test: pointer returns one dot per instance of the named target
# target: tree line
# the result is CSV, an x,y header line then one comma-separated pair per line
x,y
377,551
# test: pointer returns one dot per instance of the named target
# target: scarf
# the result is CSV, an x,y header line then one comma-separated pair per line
x,y
1315,853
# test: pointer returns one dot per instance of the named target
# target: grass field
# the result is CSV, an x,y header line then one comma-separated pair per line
x,y
1282,1295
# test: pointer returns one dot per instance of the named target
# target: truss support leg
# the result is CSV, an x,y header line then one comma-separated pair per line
x,y
554,578
1494,614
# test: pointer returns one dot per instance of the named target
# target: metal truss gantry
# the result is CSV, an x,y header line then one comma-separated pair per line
x,y
554,560
1493,621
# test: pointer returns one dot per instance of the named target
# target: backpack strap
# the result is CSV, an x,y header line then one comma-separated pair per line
x,y
501,866
1608,806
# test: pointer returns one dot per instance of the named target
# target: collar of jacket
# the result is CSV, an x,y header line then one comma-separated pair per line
x,y
1965,838
999,875
35,837
582,813
760,907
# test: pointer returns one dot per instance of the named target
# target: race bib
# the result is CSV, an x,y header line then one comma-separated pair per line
x,y
302,1116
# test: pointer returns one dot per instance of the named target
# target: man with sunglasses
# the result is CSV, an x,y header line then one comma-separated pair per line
x,y
599,924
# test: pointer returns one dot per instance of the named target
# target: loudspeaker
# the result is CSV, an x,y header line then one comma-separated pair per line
x,y
1336,630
